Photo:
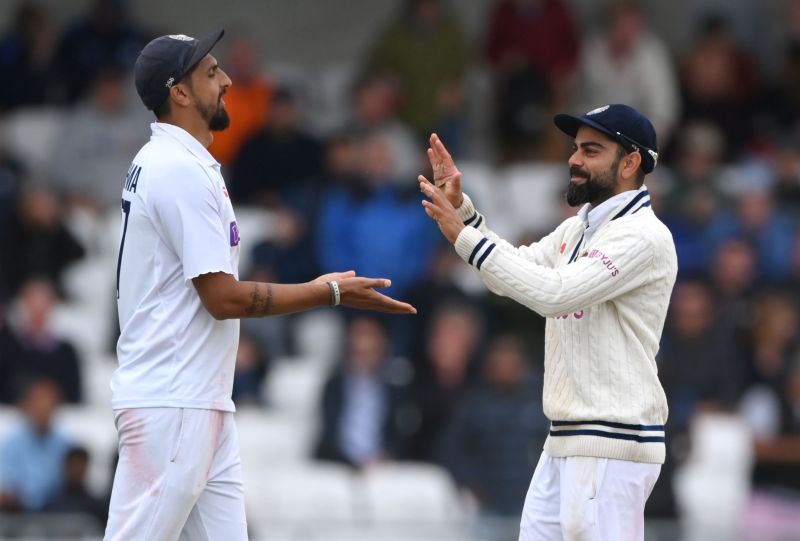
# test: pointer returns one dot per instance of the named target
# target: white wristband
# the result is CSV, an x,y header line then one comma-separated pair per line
x,y
336,296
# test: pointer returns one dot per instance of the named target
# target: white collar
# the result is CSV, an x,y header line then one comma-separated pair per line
x,y
160,129
592,217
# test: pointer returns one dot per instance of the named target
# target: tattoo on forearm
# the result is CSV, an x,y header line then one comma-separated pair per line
x,y
260,305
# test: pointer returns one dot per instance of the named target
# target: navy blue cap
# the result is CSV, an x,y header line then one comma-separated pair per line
x,y
623,123
165,61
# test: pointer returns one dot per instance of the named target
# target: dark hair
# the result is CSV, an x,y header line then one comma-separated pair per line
x,y
162,110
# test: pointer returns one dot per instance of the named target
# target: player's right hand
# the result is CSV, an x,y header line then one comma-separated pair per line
x,y
360,293
446,175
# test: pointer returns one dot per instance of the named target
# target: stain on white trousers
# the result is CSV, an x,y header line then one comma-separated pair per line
x,y
179,477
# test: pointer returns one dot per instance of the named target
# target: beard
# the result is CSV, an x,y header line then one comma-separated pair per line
x,y
596,189
216,116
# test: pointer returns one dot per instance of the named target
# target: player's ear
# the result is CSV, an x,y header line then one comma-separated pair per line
x,y
180,94
630,164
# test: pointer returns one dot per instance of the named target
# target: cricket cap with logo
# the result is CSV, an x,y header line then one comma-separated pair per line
x,y
165,61
622,123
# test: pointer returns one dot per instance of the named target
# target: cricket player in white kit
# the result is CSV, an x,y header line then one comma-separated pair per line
x,y
603,280
179,474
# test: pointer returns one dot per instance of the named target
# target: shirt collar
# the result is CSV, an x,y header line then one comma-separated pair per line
x,y
594,216
162,129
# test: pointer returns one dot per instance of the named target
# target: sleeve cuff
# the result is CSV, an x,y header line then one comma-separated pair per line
x,y
467,209
473,247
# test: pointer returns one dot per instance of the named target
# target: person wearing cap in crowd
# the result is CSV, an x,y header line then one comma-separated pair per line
x,y
179,302
603,280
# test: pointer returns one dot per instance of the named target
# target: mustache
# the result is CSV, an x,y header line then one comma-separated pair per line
x,y
575,171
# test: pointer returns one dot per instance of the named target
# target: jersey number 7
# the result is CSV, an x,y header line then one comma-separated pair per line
x,y
126,210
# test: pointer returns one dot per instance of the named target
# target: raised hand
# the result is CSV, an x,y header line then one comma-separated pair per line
x,y
360,293
441,210
446,175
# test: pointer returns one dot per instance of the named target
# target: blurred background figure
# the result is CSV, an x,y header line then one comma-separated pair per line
x,y
101,133
363,223
74,496
377,103
361,404
250,372
627,63
718,83
444,374
37,241
105,36
424,48
32,455
30,349
532,49
247,101
492,441
26,53
275,162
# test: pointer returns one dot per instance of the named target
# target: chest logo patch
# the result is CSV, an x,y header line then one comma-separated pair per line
x,y
234,234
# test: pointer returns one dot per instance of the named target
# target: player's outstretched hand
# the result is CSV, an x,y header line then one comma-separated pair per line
x,y
357,292
446,175
334,276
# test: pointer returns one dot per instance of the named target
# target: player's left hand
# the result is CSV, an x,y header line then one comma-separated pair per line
x,y
441,210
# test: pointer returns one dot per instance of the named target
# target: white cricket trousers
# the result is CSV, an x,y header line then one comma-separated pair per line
x,y
587,499
179,477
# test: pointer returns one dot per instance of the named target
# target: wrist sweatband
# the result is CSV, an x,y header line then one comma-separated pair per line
x,y
336,296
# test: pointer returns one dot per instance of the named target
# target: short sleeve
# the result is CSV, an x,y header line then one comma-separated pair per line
x,y
187,209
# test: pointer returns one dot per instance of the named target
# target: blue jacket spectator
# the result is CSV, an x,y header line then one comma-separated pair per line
x,y
379,228
32,456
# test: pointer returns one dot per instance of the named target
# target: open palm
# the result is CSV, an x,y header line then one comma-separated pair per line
x,y
446,175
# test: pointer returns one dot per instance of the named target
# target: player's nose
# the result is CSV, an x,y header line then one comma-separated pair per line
x,y
575,159
226,81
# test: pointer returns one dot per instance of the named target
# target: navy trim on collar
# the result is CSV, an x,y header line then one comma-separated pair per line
x,y
631,204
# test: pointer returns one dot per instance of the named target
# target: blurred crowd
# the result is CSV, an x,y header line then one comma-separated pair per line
x,y
460,384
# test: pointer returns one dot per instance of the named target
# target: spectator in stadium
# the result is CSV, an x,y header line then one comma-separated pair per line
x,y
361,402
90,168
37,241
444,375
289,255
424,48
248,100
276,163
695,350
769,403
32,456
361,225
12,174
532,49
74,496
377,100
26,52
770,233
694,200
718,81
29,349
249,373
106,36
492,441
627,63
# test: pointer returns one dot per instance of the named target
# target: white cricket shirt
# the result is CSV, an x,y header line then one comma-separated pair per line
x,y
605,297
177,223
